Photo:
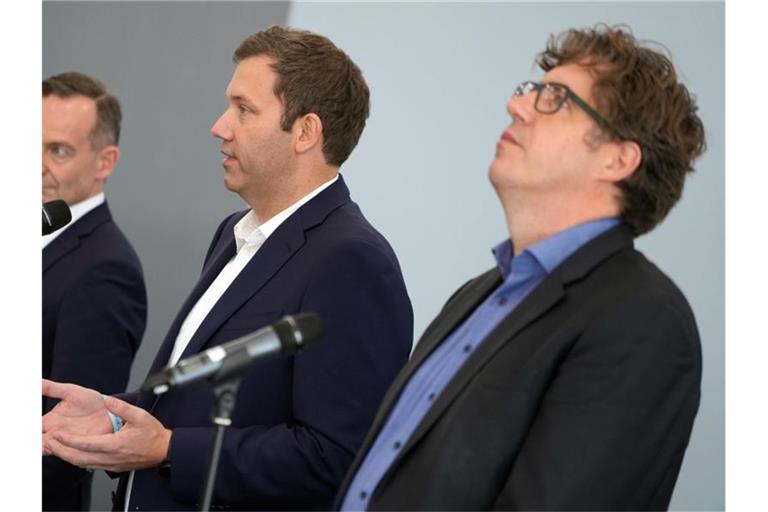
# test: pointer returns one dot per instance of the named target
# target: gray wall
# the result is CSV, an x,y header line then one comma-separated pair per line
x,y
440,75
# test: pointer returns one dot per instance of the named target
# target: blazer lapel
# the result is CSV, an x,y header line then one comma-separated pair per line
x,y
220,257
456,311
268,260
70,239
543,298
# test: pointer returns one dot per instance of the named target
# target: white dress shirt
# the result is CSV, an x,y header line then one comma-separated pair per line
x,y
78,211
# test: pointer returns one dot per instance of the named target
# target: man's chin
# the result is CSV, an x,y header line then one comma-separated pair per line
x,y
230,184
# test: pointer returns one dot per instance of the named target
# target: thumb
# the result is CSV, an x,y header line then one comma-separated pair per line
x,y
126,411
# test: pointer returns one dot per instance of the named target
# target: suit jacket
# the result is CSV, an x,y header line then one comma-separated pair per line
x,y
582,398
299,420
94,314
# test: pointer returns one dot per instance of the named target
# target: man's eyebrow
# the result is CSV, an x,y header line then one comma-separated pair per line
x,y
65,144
240,98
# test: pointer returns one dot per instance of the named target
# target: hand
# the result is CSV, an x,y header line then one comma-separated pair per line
x,y
141,443
81,410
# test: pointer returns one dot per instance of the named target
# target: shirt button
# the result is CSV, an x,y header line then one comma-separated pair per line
x,y
363,495
431,397
467,348
502,301
397,445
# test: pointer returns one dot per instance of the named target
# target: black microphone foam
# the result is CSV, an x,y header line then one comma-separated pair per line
x,y
295,331
56,215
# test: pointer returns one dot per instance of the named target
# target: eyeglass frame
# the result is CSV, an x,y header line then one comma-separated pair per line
x,y
530,86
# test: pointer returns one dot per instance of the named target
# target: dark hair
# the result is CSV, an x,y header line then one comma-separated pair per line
x,y
314,76
108,114
637,90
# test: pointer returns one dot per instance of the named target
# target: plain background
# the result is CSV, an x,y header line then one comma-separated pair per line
x,y
440,75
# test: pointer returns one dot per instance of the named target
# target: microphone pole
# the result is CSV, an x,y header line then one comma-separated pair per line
x,y
294,332
225,392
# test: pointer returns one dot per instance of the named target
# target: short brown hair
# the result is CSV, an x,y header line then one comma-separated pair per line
x,y
637,90
314,76
108,114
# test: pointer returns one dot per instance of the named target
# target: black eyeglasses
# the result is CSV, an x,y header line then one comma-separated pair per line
x,y
551,96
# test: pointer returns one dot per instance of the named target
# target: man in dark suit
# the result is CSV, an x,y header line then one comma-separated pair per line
x,y
566,377
296,108
94,300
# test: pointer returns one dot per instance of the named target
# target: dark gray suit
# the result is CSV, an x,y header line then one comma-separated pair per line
x,y
582,398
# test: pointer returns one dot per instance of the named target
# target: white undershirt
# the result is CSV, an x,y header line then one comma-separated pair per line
x,y
78,211
249,237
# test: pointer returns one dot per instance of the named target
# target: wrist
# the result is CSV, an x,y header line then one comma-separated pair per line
x,y
164,468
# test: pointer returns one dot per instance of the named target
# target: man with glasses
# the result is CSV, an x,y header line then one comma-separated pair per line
x,y
567,376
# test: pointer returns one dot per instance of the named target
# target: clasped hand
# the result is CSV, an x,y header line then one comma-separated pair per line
x,y
79,431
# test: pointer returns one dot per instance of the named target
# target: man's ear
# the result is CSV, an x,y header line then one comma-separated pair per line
x,y
108,157
309,132
623,160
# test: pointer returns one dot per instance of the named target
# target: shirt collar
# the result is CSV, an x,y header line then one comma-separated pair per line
x,y
78,211
552,251
249,230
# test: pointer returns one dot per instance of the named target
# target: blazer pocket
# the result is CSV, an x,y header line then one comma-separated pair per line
x,y
243,323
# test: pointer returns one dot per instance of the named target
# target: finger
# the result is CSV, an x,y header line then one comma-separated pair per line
x,y
50,422
102,443
129,413
54,389
79,458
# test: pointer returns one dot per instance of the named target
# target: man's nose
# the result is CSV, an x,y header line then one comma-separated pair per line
x,y
220,128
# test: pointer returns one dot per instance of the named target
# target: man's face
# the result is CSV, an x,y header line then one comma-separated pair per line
x,y
72,170
548,154
257,151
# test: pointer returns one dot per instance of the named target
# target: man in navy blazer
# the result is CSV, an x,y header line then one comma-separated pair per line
x,y
567,376
296,108
94,300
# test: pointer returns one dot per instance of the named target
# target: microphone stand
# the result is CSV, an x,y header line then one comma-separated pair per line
x,y
225,383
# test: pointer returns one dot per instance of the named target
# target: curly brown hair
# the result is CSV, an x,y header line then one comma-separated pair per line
x,y
314,76
106,131
637,90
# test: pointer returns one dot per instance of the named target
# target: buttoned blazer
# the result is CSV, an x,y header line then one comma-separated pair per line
x,y
583,398
94,315
299,420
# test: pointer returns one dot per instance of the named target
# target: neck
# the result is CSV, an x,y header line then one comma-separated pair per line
x,y
278,195
532,219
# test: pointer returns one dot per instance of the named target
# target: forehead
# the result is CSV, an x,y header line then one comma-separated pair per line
x,y
253,79
71,117
575,76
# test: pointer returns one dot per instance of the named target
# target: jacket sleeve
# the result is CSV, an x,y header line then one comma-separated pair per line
x,y
624,397
100,325
367,325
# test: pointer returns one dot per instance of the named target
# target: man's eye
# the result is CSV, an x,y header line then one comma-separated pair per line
x,y
242,109
59,152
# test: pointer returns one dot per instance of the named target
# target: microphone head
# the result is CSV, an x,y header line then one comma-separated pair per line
x,y
56,215
295,331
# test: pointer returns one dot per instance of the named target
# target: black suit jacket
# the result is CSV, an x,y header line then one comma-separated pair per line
x,y
94,314
583,398
299,420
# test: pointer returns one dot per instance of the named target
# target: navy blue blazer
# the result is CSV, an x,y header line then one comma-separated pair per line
x,y
94,315
299,420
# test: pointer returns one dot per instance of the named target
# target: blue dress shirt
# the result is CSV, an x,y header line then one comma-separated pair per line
x,y
521,274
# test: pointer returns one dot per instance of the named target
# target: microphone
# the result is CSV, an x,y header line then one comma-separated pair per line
x,y
285,337
56,215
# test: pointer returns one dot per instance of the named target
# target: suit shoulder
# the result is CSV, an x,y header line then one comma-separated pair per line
x,y
346,230
629,292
